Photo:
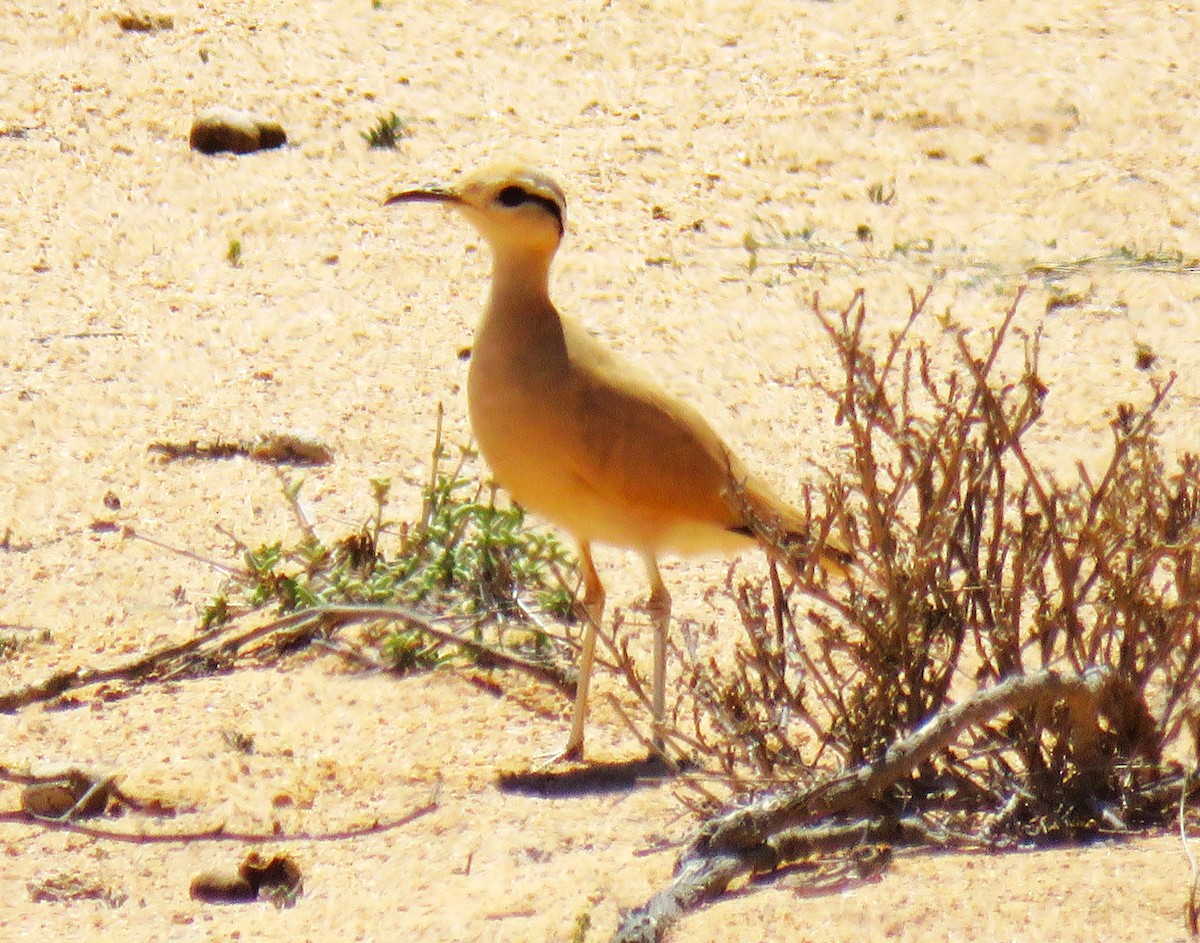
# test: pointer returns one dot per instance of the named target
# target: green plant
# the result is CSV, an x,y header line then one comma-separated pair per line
x,y
1125,257
923,244
408,650
233,253
238,741
751,245
583,923
386,132
467,557
215,614
882,194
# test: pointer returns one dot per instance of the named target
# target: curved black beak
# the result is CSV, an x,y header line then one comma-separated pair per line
x,y
426,195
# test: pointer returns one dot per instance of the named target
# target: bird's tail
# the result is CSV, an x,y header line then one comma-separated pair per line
x,y
787,534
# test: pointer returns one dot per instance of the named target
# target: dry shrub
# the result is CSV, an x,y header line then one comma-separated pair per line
x,y
974,565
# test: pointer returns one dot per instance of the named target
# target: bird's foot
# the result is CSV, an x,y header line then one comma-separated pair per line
x,y
571,753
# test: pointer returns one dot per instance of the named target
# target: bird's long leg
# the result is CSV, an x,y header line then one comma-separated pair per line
x,y
593,605
659,606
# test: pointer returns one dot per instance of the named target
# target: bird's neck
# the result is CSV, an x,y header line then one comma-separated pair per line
x,y
519,302
519,273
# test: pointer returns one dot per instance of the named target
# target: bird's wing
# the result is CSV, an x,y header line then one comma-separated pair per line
x,y
640,447
647,451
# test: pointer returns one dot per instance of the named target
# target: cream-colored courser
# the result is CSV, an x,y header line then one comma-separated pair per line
x,y
581,437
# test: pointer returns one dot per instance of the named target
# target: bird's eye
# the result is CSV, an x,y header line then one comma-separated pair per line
x,y
512,196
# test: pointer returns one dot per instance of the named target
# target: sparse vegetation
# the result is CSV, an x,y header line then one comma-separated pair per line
x,y
467,578
140,21
579,932
1013,659
976,563
13,643
751,245
1125,257
922,245
386,132
466,557
882,193
233,252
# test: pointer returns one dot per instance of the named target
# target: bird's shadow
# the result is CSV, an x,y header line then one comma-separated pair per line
x,y
592,779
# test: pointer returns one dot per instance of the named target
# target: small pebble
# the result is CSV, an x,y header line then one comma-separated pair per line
x,y
226,129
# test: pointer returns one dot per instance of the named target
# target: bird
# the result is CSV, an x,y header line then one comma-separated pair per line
x,y
586,440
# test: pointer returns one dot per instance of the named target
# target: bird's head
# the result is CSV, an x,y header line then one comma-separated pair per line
x,y
516,208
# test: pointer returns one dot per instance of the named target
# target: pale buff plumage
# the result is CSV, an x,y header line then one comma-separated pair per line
x,y
582,438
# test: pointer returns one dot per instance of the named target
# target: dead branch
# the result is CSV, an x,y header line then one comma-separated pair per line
x,y
272,448
170,660
222,832
490,654
759,838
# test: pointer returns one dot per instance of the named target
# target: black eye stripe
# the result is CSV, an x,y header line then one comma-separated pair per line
x,y
552,208
514,195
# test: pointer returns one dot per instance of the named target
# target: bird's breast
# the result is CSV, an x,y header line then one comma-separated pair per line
x,y
522,421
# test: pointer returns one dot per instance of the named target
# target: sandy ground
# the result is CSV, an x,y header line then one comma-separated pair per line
x,y
1013,135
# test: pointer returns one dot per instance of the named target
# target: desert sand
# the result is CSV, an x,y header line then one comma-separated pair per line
x,y
717,159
